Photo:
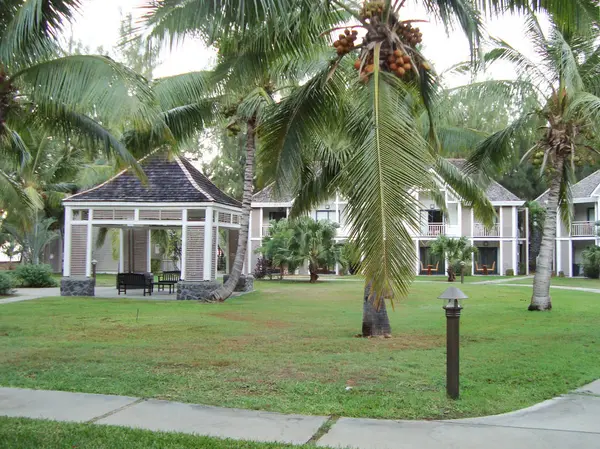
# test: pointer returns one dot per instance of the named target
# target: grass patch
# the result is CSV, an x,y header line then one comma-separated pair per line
x,y
566,282
290,347
41,434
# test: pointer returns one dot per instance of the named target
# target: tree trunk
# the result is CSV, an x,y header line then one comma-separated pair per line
x,y
312,269
540,300
375,318
226,290
451,273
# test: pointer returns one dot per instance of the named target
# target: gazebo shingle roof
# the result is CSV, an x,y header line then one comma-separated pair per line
x,y
169,181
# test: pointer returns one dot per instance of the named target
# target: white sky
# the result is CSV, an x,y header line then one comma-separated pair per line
x,y
99,25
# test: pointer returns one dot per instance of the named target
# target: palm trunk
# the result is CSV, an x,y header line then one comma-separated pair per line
x,y
375,318
451,273
540,300
226,290
312,269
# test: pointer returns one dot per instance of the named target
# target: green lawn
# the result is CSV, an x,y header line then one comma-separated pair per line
x,y
290,347
567,282
469,279
102,280
40,434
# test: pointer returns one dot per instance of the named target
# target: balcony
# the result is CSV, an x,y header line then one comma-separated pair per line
x,y
583,229
479,230
436,229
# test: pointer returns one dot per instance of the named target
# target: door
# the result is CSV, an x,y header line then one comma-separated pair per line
x,y
487,257
276,215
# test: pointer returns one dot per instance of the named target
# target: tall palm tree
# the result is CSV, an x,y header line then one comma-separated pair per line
x,y
565,121
254,65
80,95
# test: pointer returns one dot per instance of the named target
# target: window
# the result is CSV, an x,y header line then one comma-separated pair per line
x,y
326,215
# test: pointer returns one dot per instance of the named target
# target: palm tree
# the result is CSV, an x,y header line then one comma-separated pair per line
x,y
564,123
80,96
380,155
456,251
33,239
313,241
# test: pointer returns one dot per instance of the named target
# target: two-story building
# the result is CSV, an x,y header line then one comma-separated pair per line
x,y
501,247
572,240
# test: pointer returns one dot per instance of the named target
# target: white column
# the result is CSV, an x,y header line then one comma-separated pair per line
x,y
515,232
208,247
149,251
184,231
136,214
527,241
558,267
227,251
67,242
597,207
459,218
89,243
216,248
418,257
500,234
472,242
121,251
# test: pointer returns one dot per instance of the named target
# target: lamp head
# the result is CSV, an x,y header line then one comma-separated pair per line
x,y
452,296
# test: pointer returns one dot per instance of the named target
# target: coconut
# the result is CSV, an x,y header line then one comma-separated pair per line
x,y
400,71
370,68
406,59
357,64
393,66
407,67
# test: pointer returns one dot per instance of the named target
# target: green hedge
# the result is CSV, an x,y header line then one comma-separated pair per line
x,y
6,283
27,275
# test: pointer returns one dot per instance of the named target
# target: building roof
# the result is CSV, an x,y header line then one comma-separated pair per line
x,y
583,189
267,195
173,180
495,191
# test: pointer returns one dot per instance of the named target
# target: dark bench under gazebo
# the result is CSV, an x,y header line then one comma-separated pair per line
x,y
176,195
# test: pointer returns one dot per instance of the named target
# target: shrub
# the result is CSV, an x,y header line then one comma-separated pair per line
x,y
591,262
561,274
155,265
28,275
262,268
6,283
510,272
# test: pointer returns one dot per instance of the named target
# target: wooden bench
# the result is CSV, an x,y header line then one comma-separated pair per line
x,y
170,278
135,281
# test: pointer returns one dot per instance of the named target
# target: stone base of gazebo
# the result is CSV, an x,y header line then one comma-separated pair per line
x,y
199,291
245,283
73,286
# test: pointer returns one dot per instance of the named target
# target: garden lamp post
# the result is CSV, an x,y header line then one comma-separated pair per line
x,y
94,263
462,271
452,307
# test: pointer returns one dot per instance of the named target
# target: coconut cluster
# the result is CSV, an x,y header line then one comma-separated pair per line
x,y
345,43
372,9
394,61
409,35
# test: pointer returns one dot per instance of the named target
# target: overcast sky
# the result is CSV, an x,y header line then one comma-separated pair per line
x,y
99,25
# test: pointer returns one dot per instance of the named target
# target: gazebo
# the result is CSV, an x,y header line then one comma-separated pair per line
x,y
175,195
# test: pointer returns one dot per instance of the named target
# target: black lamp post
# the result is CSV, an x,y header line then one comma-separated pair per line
x,y
452,295
94,263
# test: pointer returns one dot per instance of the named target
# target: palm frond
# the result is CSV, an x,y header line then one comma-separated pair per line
x,y
29,29
86,84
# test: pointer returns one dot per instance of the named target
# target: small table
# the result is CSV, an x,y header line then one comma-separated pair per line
x,y
429,267
485,270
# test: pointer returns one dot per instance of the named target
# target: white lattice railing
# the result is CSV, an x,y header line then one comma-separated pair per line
x,y
479,230
583,228
433,229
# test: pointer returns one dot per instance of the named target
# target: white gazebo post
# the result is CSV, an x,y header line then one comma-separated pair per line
x,y
208,247
184,232
121,251
89,245
67,242
149,251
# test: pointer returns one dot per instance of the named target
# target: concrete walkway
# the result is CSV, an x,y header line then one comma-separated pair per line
x,y
567,421
502,281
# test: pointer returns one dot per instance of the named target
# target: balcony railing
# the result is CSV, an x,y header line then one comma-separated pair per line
x,y
479,230
433,229
583,229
